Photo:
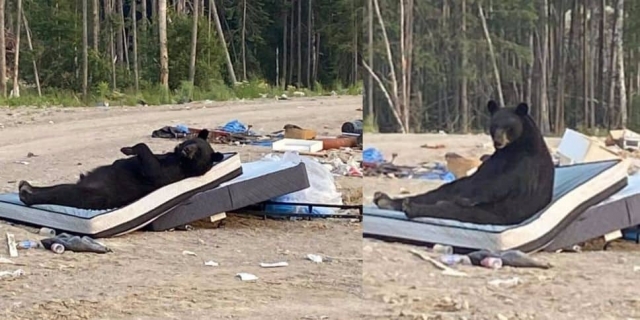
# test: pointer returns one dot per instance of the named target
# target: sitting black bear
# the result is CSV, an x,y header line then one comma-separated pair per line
x,y
127,180
514,183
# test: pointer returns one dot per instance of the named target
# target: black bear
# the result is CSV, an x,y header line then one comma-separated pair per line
x,y
514,183
127,180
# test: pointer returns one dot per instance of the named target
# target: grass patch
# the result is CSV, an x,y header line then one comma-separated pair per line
x,y
154,94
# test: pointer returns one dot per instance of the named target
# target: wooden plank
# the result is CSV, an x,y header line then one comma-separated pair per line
x,y
11,242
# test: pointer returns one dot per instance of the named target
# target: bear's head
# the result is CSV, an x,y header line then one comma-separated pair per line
x,y
507,124
197,155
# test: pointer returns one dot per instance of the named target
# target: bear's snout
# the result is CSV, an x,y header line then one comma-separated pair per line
x,y
500,139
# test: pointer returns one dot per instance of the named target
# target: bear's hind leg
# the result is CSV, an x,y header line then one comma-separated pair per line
x,y
70,195
452,211
383,201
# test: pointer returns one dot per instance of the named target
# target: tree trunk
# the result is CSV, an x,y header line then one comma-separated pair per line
x,y
3,53
123,39
16,60
117,6
85,49
244,44
33,59
309,28
559,118
544,101
291,41
370,78
585,66
108,5
299,45
464,105
143,8
496,73
284,50
619,47
223,42
96,24
162,34
612,72
194,43
601,61
134,27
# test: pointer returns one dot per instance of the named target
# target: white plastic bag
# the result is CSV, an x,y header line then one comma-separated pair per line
x,y
322,188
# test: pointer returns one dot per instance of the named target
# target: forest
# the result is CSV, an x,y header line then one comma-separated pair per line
x,y
75,52
434,64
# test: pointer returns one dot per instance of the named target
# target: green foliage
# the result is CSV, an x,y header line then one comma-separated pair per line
x,y
56,32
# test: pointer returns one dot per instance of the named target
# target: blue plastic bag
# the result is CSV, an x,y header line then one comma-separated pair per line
x,y
372,155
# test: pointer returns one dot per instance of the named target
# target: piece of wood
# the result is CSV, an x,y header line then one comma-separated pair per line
x,y
11,242
445,270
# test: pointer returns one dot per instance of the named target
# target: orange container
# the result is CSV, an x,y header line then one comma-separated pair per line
x,y
337,143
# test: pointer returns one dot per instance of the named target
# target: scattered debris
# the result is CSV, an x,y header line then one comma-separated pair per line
x,y
636,268
11,274
189,253
433,146
246,276
22,162
6,261
445,269
274,265
314,257
47,232
507,283
75,243
11,242
211,263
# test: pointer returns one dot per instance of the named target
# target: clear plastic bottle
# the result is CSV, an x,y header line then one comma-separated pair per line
x,y
454,259
28,244
442,249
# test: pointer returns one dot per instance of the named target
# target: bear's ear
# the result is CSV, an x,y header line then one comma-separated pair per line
x,y
522,109
492,106
203,134
217,157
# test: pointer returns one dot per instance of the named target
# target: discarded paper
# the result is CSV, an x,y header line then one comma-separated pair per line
x,y
211,263
274,265
11,274
246,276
189,253
314,257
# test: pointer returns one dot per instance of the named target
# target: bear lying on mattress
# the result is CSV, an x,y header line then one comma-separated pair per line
x,y
513,184
127,180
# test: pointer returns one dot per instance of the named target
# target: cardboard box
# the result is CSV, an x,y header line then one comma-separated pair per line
x,y
300,134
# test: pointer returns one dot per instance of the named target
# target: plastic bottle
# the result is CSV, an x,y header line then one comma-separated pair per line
x,y
442,249
28,244
491,263
454,259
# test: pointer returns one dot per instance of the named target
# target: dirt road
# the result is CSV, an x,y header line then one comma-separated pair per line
x,y
148,277
398,285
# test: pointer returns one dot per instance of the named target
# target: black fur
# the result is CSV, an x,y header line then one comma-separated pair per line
x,y
127,180
514,183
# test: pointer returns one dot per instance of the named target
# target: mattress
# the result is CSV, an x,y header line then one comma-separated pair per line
x,y
108,223
576,188
260,181
618,212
